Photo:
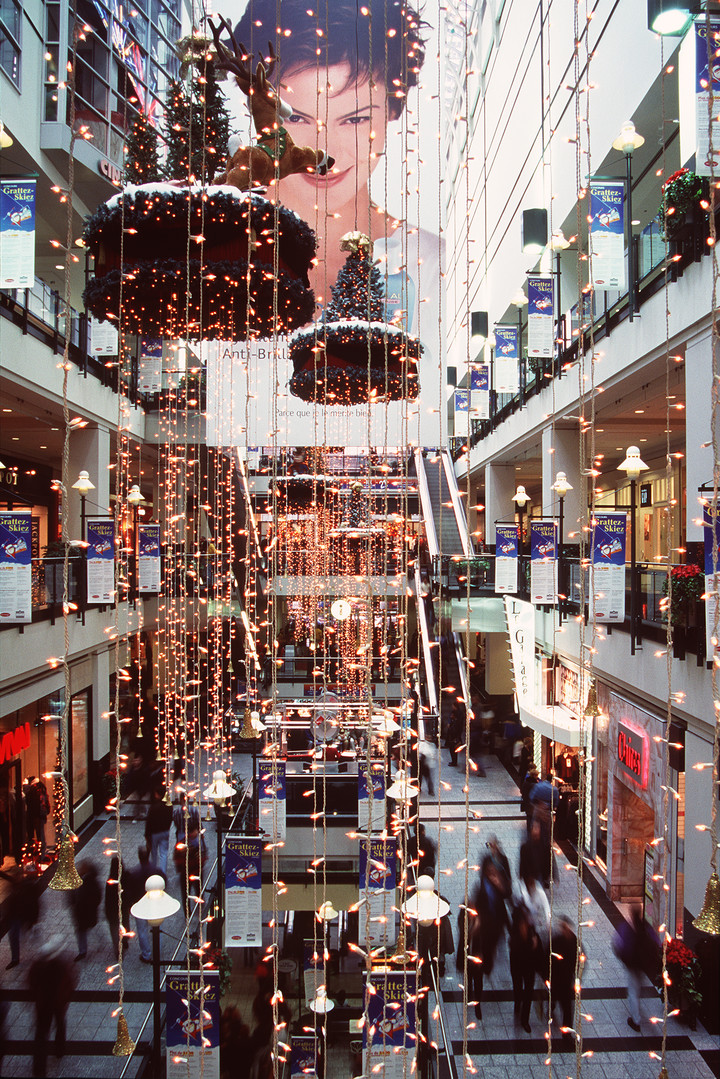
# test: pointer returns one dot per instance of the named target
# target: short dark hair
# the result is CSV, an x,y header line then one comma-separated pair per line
x,y
378,37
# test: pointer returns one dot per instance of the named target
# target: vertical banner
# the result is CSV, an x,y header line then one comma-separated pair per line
x,y
480,391
103,338
607,588
711,600
507,356
371,797
543,561
462,407
705,81
272,798
15,568
148,558
378,880
192,1002
607,230
507,550
17,233
541,323
303,1056
150,366
520,617
243,891
100,536
313,973
389,1036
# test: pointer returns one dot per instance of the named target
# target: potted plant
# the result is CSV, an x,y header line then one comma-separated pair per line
x,y
688,585
683,980
683,193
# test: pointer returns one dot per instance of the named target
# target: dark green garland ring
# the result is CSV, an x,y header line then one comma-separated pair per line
x,y
332,369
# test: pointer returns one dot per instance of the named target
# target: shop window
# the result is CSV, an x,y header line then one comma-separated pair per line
x,y
10,31
80,746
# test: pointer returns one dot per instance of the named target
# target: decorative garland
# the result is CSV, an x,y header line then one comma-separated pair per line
x,y
330,363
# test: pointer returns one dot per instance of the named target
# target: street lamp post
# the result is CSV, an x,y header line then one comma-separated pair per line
x,y
521,499
135,499
219,791
155,906
627,142
561,486
83,484
633,465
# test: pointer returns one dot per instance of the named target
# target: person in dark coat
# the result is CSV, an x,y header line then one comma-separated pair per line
x,y
526,954
37,806
455,736
563,960
84,902
157,828
111,904
487,919
635,944
21,909
496,856
51,982
529,781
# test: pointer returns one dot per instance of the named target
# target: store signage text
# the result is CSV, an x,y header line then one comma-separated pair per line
x,y
14,742
632,753
109,171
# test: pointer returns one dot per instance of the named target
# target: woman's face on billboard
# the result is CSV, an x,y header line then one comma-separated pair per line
x,y
348,121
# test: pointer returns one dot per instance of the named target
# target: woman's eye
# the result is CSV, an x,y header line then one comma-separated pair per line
x,y
357,119
296,119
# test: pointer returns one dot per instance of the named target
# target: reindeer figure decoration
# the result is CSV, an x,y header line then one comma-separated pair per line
x,y
275,154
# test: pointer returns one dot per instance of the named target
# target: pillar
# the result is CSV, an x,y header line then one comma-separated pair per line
x,y
89,450
560,454
698,433
500,486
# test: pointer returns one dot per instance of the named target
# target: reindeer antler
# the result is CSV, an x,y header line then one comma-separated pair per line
x,y
237,61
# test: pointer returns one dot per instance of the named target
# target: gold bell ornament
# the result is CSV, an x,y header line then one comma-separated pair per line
x,y
708,920
124,1045
66,877
591,708
249,730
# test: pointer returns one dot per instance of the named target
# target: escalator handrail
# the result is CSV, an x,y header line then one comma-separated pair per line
x,y
425,638
461,668
427,508
460,519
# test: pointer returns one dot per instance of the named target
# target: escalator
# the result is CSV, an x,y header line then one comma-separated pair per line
x,y
441,503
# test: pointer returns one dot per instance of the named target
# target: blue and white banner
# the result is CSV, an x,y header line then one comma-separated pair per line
x,y
272,798
462,409
371,797
607,232
17,233
607,584
541,322
543,561
150,365
103,338
712,603
378,880
148,558
313,969
15,568
192,1002
389,1034
706,79
480,391
100,536
507,550
243,891
507,357
303,1056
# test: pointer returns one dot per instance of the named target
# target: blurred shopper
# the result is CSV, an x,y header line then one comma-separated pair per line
x,y
112,912
563,962
84,902
51,982
20,910
635,944
157,828
526,954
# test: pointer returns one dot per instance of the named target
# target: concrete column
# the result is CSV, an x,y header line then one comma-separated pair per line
x,y
560,454
698,430
101,704
500,486
89,450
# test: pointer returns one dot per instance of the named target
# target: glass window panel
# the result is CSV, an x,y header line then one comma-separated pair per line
x,y
9,58
80,738
11,18
52,35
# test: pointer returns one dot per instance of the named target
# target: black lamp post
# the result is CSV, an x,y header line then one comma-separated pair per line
x,y
561,487
154,907
521,499
633,465
627,142
218,792
83,484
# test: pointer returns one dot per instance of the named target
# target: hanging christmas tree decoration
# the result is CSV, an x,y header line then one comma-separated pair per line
x,y
275,155
225,289
197,121
353,354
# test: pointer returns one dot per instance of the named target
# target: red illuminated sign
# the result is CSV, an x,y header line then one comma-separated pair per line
x,y
14,742
632,751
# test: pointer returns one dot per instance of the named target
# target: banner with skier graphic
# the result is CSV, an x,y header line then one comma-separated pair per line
x,y
148,558
707,78
543,561
15,568
272,798
100,536
371,796
192,1010
607,231
150,365
480,391
507,357
507,549
541,322
378,881
389,1036
607,586
17,233
303,1056
243,891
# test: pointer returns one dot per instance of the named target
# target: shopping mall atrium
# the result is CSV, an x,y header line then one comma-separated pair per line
x,y
358,568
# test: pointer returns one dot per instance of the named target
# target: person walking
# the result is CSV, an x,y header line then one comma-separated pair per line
x,y
84,902
496,856
37,806
21,909
635,944
536,903
190,852
563,961
157,829
455,733
529,781
51,982
427,758
525,960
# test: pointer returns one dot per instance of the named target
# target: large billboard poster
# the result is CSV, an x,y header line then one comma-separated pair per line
x,y
192,1002
17,233
243,891
15,568
338,107
389,1037
607,230
100,536
607,589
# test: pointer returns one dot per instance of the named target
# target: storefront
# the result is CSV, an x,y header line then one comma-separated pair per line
x,y
29,748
